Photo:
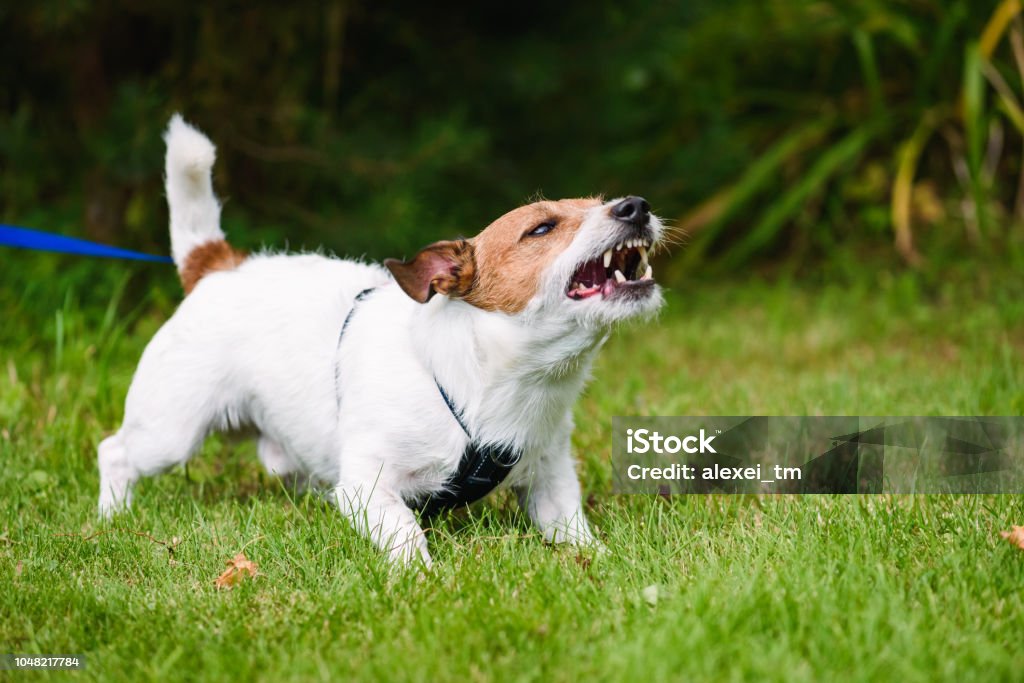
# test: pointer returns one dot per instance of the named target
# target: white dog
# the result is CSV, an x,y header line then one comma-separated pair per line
x,y
421,388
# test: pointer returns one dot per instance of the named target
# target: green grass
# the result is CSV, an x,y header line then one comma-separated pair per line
x,y
748,588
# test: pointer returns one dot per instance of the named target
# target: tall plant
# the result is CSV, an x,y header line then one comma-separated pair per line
x,y
905,110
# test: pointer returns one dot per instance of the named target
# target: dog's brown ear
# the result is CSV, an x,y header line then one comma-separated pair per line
x,y
445,267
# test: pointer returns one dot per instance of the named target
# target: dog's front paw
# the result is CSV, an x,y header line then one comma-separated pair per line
x,y
573,531
113,500
116,478
410,555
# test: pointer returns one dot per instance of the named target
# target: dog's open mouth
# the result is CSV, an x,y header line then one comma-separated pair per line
x,y
622,268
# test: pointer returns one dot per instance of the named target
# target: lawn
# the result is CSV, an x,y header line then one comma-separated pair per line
x,y
912,588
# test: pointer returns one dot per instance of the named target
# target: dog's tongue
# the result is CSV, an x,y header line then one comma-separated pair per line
x,y
608,287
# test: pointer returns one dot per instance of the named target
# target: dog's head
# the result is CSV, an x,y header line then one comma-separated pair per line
x,y
580,259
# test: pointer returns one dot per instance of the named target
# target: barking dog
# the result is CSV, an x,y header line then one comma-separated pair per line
x,y
419,385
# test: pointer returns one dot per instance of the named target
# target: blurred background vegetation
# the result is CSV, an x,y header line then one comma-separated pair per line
x,y
794,132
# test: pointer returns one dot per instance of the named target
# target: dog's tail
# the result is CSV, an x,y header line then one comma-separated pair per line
x,y
197,242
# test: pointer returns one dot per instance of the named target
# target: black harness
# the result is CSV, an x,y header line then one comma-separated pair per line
x,y
482,466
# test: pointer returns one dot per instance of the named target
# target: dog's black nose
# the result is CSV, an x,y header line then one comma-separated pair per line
x,y
632,210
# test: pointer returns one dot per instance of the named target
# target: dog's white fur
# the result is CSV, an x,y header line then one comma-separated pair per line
x,y
258,345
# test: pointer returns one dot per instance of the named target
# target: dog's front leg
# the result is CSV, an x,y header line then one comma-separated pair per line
x,y
386,520
551,495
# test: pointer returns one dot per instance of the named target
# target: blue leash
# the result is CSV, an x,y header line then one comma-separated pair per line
x,y
23,238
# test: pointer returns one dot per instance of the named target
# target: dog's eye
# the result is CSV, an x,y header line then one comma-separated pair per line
x,y
542,229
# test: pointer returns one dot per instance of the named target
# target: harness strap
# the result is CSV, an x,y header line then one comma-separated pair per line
x,y
482,467
456,413
480,471
344,326
348,318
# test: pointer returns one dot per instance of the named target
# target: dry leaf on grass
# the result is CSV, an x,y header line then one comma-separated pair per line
x,y
238,569
1014,536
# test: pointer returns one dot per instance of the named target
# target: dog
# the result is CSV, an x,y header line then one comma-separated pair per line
x,y
403,387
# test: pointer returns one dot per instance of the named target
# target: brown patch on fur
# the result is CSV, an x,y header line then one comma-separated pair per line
x,y
208,258
509,264
442,267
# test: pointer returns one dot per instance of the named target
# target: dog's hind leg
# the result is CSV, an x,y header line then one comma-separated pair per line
x,y
273,457
116,476
142,450
279,463
168,413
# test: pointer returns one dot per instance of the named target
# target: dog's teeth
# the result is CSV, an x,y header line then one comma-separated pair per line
x,y
643,252
618,247
619,277
607,258
649,275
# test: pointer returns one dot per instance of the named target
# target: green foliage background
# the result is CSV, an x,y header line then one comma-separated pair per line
x,y
764,128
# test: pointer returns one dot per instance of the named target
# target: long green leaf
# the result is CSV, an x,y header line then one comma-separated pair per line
x,y
996,26
936,54
775,218
903,187
869,68
974,126
758,175
1007,100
